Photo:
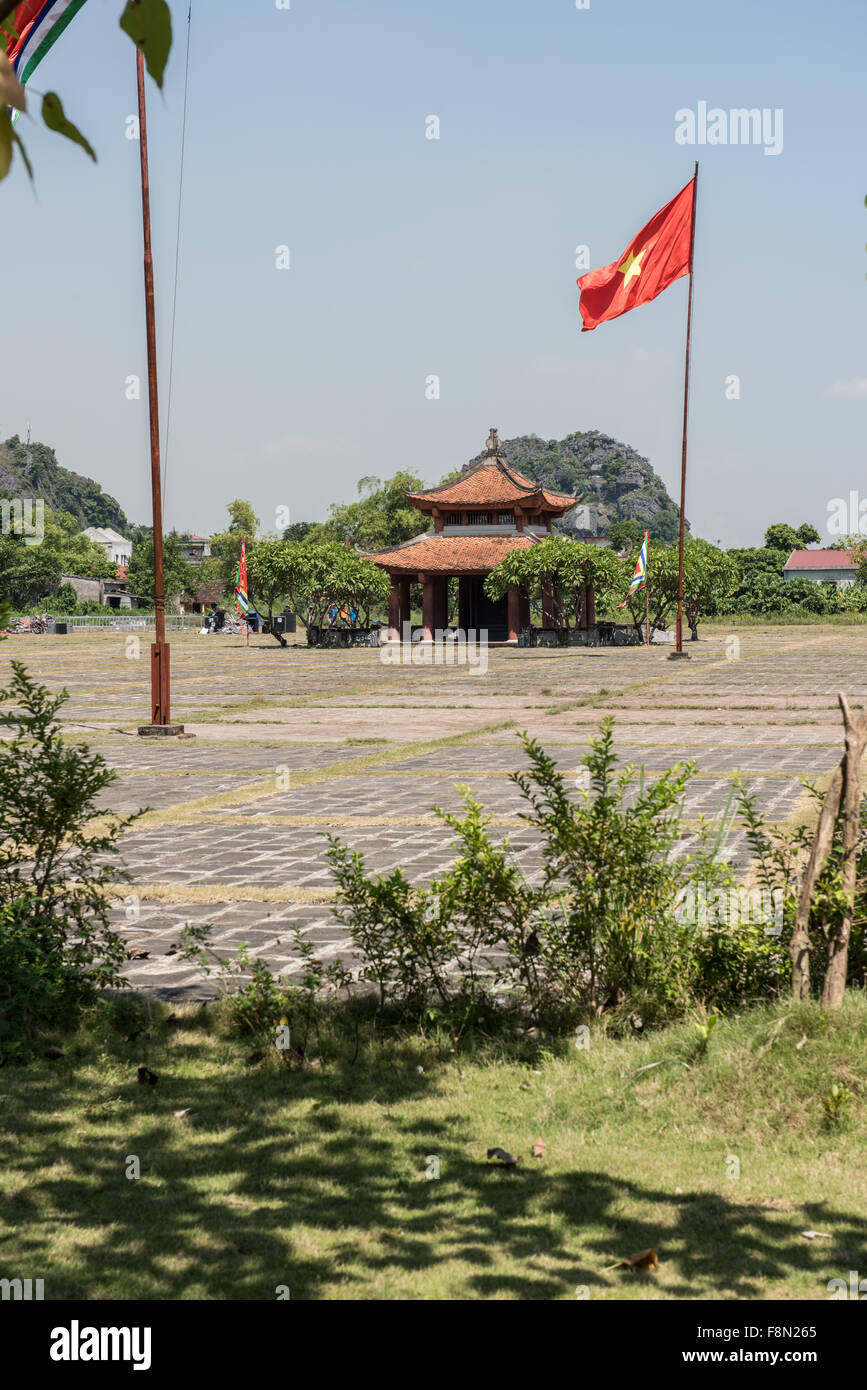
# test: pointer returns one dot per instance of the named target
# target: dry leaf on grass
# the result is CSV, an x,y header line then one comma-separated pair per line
x,y
813,1235
645,1259
799,1045
508,1160
539,1148
179,1114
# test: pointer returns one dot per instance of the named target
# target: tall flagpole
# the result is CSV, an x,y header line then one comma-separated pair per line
x,y
647,590
678,651
160,683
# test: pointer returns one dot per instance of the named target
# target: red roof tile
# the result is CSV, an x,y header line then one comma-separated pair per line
x,y
820,560
491,483
439,554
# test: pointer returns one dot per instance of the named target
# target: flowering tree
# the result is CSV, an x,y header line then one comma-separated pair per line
x,y
565,567
317,578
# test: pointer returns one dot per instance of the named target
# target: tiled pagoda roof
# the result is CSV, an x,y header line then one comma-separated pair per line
x,y
492,482
435,553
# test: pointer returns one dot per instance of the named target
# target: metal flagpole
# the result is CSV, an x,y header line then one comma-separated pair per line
x,y
647,590
678,651
160,680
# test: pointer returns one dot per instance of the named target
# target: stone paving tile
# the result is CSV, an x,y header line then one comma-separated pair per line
x,y
799,761
410,797
142,756
137,792
724,715
294,857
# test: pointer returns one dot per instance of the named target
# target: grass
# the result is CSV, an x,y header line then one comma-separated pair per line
x,y
315,1177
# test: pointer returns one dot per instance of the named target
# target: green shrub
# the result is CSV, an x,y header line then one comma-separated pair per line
x,y
404,934
779,852
56,945
599,932
612,933
65,601
276,1012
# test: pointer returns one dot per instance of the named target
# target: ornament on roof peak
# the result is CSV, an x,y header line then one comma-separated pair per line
x,y
493,445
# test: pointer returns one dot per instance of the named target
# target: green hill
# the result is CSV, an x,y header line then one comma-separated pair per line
x,y
33,471
610,478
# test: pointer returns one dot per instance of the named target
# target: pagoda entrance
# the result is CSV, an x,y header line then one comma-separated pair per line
x,y
476,610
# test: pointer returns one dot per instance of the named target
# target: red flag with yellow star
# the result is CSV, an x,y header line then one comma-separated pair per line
x,y
659,255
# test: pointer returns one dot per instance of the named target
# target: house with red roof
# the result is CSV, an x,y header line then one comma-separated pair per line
x,y
478,519
822,566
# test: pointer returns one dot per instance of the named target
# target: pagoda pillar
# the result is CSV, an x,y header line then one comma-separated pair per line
x,y
514,610
428,613
524,609
405,610
441,605
394,611
464,613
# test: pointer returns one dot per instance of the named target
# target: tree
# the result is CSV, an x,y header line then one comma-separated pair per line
x,y
179,576
781,536
709,575
242,518
271,572
625,535
380,518
299,530
147,22
28,574
66,599
319,577
807,534
564,566
226,545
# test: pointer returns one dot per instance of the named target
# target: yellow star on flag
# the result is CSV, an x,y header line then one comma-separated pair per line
x,y
631,266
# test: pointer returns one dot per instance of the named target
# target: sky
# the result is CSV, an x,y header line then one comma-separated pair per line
x,y
411,257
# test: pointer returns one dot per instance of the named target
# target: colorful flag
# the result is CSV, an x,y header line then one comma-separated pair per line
x,y
639,579
38,25
659,255
243,603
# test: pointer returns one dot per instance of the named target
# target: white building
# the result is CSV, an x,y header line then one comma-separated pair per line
x,y
116,547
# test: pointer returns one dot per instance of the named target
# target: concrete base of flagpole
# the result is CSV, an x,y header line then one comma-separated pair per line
x,y
163,731
677,656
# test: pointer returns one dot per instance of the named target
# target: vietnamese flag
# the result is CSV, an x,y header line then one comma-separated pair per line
x,y
659,255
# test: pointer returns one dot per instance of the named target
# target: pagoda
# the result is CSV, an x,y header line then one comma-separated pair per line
x,y
478,519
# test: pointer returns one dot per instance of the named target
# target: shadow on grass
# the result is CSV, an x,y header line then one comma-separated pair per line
x,y
231,1205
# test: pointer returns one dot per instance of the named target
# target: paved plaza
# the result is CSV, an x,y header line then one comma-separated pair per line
x,y
294,744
